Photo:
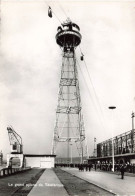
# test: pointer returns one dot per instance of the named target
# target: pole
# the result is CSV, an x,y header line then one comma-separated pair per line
x,y
133,115
112,108
71,153
94,147
132,132
82,154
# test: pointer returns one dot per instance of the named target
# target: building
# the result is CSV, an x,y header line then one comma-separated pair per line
x,y
41,161
124,149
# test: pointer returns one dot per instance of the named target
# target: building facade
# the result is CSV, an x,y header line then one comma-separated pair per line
x,y
40,161
123,145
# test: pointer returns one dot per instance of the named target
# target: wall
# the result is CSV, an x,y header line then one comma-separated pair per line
x,y
41,162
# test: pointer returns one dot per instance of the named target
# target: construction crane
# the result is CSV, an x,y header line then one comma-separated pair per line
x,y
16,148
15,141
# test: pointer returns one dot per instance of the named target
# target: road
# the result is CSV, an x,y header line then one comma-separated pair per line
x,y
111,182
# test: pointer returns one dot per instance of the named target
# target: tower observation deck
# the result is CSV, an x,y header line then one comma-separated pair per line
x,y
69,126
69,36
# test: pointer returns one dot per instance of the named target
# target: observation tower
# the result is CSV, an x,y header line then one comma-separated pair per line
x,y
69,133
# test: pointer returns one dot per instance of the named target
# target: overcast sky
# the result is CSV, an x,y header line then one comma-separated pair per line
x,y
30,63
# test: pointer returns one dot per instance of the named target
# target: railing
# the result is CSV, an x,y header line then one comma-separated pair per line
x,y
9,171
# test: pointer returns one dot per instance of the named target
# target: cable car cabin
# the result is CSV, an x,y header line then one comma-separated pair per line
x,y
16,148
81,57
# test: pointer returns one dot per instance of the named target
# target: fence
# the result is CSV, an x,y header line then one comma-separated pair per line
x,y
9,171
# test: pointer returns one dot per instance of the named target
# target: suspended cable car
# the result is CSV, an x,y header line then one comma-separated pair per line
x,y
50,12
81,57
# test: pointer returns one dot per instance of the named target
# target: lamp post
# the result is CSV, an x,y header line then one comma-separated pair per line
x,y
94,154
132,132
112,108
132,116
71,153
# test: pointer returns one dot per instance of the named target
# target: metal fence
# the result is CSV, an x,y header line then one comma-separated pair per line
x,y
9,171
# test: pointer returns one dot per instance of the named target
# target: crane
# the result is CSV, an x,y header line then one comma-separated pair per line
x,y
15,141
16,147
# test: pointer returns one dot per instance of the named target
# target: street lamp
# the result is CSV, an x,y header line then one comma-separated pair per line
x,y
132,132
71,153
94,153
132,116
112,108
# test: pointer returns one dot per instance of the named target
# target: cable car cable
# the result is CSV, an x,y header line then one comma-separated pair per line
x,y
90,95
97,99
62,9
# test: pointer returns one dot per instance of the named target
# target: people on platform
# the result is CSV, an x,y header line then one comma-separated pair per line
x,y
95,166
85,167
122,170
90,166
81,167
103,166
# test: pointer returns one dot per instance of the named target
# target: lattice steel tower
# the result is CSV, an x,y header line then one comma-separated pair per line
x,y
69,127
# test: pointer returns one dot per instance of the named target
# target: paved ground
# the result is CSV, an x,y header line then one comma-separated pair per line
x,y
48,185
60,183
111,182
75,183
77,186
16,184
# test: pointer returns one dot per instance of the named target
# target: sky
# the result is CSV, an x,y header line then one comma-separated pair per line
x,y
30,64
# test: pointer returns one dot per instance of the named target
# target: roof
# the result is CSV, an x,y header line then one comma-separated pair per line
x,y
118,136
39,155
119,155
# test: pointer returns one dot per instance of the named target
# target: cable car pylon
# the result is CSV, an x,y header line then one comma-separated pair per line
x,y
69,126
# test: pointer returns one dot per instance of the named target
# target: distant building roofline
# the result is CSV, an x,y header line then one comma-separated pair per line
x,y
39,155
117,136
120,155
